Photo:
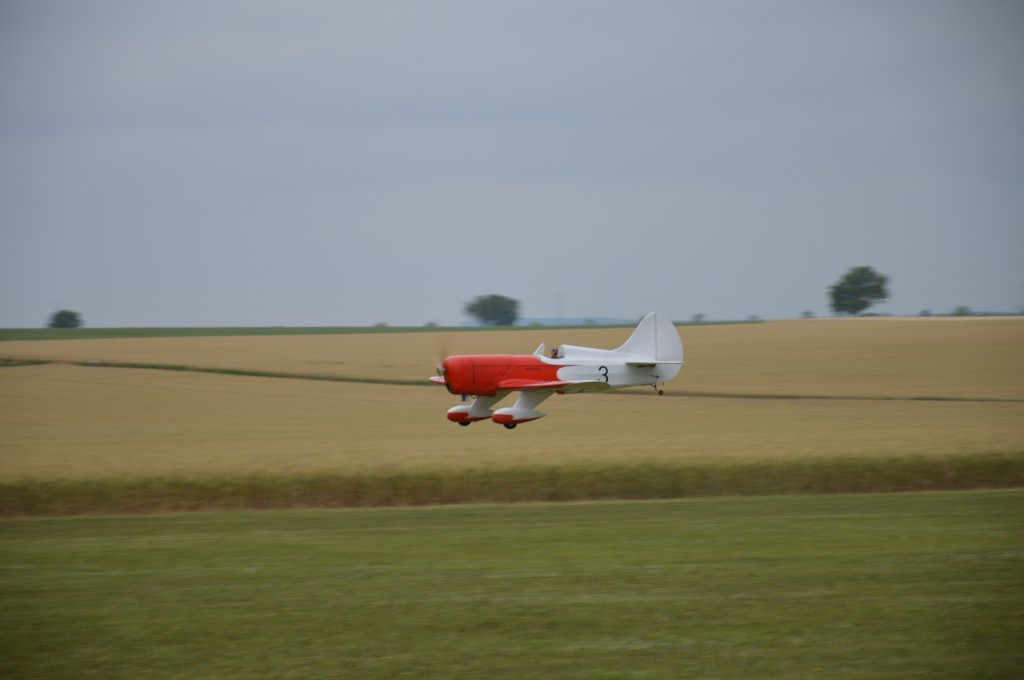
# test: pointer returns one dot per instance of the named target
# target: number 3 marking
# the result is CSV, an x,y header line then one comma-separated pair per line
x,y
604,372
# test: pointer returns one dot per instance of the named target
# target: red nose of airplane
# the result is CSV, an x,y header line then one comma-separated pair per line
x,y
444,374
458,374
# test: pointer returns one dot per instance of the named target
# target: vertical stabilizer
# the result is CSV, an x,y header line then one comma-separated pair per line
x,y
655,338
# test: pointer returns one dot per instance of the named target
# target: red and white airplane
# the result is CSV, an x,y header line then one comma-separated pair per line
x,y
652,355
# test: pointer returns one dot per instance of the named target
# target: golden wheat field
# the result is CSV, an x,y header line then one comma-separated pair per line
x,y
873,357
72,422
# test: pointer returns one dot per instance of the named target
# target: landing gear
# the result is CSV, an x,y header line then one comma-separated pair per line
x,y
656,389
510,426
464,423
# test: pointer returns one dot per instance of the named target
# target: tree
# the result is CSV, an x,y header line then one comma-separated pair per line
x,y
494,310
65,318
859,288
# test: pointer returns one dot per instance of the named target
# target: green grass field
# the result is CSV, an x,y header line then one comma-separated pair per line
x,y
849,586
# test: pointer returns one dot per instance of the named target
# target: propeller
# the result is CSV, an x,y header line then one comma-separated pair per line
x,y
443,342
442,353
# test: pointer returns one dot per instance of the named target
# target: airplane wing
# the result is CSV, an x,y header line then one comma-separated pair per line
x,y
553,385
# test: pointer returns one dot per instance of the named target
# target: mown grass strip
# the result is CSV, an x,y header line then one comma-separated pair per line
x,y
514,485
248,372
95,363
858,587
10,363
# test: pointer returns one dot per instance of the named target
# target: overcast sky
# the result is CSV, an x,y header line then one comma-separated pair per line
x,y
347,163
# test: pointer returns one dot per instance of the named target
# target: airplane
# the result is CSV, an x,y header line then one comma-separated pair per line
x,y
653,354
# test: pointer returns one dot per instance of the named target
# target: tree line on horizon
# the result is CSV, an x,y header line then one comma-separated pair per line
x,y
853,294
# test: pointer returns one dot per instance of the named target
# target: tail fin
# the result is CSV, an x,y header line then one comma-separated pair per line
x,y
655,338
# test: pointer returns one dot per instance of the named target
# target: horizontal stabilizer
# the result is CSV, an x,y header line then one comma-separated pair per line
x,y
651,364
